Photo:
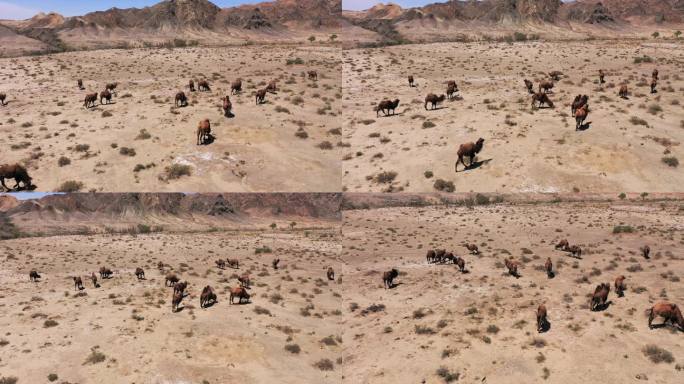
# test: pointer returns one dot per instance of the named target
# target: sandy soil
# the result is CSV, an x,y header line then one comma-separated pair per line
x,y
256,150
525,150
480,326
130,323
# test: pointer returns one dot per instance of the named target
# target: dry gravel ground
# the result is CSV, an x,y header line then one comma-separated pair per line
x,y
480,326
525,150
125,331
256,150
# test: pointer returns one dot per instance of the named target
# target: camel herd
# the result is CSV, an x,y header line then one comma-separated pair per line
x,y
599,299
208,297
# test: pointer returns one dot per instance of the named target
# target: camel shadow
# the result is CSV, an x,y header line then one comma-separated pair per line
x,y
394,285
179,309
545,327
603,307
97,285
437,108
393,114
584,127
456,98
476,165
229,115
210,304
551,275
19,189
209,139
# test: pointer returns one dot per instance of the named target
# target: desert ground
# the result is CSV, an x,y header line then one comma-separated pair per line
x,y
439,325
141,142
629,144
125,331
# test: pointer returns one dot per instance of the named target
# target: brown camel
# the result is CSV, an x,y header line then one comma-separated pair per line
x,y
207,297
541,98
111,87
170,280
646,251
90,100
105,273
388,278
272,86
244,281
548,267
581,115
105,95
474,250
600,296
330,273
563,245
79,83
654,74
541,317
93,279
624,92
433,100
191,85
275,263
431,256
620,285
411,81
220,263
180,286
469,150
575,251
460,262
203,85
240,293
233,263
160,266
140,273
78,283
668,311
530,86
181,99
261,96
313,75
654,84
2,99
176,300
555,75
389,105
452,90
236,87
227,106
34,276
16,172
546,86
512,267
580,100
203,131
602,77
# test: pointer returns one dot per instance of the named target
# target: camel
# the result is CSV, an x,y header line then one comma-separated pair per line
x,y
541,317
93,278
275,263
105,95
469,150
90,100
79,83
623,93
546,86
233,263
180,287
160,266
530,86
431,257
580,100
111,87
411,81
105,273
140,273
2,99
512,267
472,248
555,75
227,106
220,263
548,267
388,278
654,84
654,74
203,131
78,283
272,86
236,87
646,251
313,75
181,99
203,85
176,300
433,100
460,262
668,311
261,96
449,257
452,89
600,296
244,281
207,297
330,273
191,85
170,280
581,115
34,276
575,251
602,77
388,105
541,98
16,172
240,293
620,285
563,245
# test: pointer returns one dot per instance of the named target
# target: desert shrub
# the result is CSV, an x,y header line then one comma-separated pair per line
x,y
623,229
63,161
52,377
671,161
125,151
293,348
262,249
324,365
385,177
638,121
657,354
447,375
70,186
176,171
95,357
444,186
